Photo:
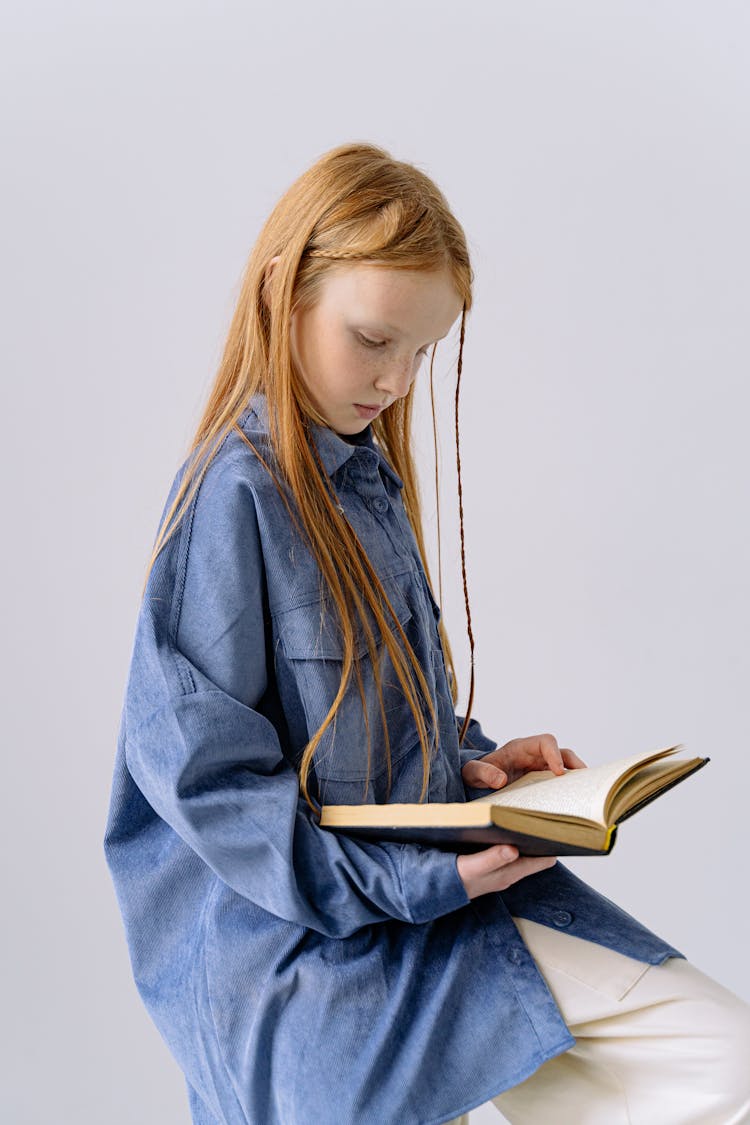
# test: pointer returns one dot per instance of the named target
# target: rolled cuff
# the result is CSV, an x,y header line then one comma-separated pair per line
x,y
431,884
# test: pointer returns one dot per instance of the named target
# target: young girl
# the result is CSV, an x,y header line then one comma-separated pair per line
x,y
289,652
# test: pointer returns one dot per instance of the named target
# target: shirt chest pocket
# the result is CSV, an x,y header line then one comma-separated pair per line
x,y
312,644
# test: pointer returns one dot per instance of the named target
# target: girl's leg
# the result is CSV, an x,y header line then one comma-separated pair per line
x,y
655,1044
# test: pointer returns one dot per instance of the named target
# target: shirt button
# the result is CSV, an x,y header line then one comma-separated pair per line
x,y
561,917
515,956
379,504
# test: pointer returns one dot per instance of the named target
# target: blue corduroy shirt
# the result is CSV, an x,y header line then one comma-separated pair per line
x,y
299,976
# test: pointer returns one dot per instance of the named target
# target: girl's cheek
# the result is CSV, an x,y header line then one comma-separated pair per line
x,y
356,373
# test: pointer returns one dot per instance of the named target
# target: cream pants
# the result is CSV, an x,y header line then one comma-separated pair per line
x,y
655,1044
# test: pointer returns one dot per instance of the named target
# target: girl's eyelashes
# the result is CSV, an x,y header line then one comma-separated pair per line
x,y
371,343
381,344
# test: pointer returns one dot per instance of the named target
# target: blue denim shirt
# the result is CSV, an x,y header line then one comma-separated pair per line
x,y
300,976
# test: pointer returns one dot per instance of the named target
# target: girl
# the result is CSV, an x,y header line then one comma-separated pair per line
x,y
289,652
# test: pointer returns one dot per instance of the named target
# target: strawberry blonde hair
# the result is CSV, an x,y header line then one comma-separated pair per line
x,y
354,204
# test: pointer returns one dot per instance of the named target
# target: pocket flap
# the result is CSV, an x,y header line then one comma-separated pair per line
x,y
312,631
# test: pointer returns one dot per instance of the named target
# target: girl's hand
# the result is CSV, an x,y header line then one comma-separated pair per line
x,y
497,868
517,757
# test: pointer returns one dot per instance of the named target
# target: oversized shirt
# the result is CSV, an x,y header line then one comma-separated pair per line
x,y
300,976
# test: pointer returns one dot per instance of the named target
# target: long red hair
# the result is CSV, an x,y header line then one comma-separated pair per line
x,y
354,204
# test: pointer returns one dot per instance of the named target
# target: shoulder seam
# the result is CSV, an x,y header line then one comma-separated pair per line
x,y
181,564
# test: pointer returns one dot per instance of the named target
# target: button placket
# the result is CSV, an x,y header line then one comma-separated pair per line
x,y
371,490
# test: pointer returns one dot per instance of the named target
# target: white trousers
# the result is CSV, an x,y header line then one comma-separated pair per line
x,y
655,1044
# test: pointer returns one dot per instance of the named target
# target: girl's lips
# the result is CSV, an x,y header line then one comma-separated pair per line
x,y
366,411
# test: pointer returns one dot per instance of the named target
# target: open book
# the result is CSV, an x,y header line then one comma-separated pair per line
x,y
542,813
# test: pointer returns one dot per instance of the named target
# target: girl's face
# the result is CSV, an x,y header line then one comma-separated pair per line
x,y
363,342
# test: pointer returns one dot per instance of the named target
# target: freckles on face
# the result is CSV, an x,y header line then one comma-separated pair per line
x,y
327,358
364,339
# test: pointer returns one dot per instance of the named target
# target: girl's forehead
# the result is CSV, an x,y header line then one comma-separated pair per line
x,y
395,297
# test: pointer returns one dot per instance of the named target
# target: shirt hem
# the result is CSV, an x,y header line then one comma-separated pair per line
x,y
526,1072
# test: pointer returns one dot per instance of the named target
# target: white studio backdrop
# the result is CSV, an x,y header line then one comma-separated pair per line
x,y
597,156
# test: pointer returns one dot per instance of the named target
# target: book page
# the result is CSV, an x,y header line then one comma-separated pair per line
x,y
576,793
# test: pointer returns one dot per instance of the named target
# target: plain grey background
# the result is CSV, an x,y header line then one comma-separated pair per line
x,y
597,156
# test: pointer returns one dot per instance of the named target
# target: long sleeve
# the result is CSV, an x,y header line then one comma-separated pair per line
x,y
209,760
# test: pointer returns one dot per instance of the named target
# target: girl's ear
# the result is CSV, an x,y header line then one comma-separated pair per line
x,y
267,278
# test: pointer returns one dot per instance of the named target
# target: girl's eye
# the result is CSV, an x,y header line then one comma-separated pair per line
x,y
381,344
371,343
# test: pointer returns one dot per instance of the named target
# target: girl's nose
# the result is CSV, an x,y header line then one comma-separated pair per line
x,y
397,379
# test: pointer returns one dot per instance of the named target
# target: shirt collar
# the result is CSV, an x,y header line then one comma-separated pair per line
x,y
334,451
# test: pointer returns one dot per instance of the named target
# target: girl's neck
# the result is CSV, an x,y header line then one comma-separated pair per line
x,y
362,438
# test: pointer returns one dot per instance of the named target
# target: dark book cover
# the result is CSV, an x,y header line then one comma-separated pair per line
x,y
454,838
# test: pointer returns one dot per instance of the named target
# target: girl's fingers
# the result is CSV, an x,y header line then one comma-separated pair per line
x,y
571,760
530,864
494,776
506,855
547,743
558,759
488,860
538,751
497,868
483,775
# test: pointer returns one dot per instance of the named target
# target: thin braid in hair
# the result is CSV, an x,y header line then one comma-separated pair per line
x,y
437,477
461,523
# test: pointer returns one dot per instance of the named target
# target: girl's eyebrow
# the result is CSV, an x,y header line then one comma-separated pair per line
x,y
382,325
397,331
